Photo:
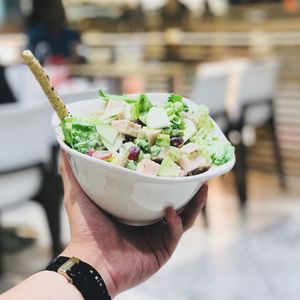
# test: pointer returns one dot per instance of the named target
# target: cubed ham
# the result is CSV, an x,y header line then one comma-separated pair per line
x,y
127,127
149,134
189,165
147,166
189,148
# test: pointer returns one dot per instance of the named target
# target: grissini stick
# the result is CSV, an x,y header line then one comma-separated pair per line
x,y
44,81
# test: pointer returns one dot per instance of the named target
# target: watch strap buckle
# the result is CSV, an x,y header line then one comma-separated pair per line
x,y
67,266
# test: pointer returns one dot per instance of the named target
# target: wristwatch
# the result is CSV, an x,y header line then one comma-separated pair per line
x,y
83,276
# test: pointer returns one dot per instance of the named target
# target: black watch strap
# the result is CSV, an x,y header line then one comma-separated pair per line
x,y
84,277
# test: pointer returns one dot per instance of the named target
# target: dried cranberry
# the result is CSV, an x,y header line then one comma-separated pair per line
x,y
129,138
90,152
133,153
176,141
139,122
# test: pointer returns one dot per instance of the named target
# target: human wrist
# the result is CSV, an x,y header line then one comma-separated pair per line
x,y
95,259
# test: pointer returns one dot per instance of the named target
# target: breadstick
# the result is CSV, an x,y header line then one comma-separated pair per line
x,y
44,81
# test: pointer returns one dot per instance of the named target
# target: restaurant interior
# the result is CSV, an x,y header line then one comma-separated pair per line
x,y
240,58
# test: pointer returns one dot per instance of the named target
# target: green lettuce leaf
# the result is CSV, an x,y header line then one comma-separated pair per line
x,y
131,164
163,140
223,154
155,150
219,151
143,145
140,108
201,118
175,105
81,134
106,97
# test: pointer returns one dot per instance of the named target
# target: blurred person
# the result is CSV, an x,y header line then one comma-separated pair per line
x,y
132,17
49,36
291,6
214,7
174,14
124,256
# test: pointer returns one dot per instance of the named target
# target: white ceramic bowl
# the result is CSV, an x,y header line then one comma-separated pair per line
x,y
132,198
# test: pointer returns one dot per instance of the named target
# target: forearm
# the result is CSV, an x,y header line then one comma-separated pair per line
x,y
44,285
48,285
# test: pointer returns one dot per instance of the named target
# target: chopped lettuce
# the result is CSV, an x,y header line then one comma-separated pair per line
x,y
218,150
131,164
223,154
106,97
81,135
174,154
143,145
155,150
163,140
175,105
140,108
201,118
168,168
66,126
177,122
172,132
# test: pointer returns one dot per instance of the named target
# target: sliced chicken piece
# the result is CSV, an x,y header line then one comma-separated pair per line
x,y
116,111
189,165
149,134
189,148
162,154
127,127
126,113
115,103
147,166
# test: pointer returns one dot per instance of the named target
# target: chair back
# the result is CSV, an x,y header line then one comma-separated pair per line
x,y
210,87
258,81
24,136
79,96
24,85
257,87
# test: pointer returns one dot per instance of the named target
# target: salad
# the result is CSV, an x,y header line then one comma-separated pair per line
x,y
168,141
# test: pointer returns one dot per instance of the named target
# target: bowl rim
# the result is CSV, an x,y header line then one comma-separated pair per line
x,y
213,171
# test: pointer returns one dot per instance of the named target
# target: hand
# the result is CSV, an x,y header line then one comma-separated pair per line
x,y
123,255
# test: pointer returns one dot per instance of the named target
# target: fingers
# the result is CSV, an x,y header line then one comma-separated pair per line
x,y
192,210
173,230
174,223
67,174
65,169
177,224
72,188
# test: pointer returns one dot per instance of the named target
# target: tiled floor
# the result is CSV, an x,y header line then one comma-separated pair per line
x,y
254,255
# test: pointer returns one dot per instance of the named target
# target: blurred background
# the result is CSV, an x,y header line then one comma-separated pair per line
x,y
239,57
